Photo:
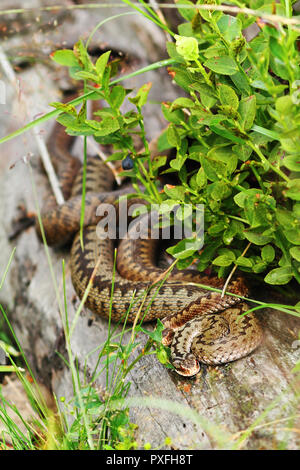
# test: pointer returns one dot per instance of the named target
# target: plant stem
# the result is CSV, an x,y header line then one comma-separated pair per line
x,y
258,177
265,161
204,74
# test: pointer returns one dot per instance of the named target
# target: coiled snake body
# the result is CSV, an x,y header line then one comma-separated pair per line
x,y
200,325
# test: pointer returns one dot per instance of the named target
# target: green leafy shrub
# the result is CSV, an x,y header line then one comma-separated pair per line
x,y
235,134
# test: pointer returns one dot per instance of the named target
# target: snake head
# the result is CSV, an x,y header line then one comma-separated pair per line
x,y
186,365
167,336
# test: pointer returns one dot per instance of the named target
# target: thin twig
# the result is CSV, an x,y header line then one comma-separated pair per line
x,y
10,74
156,8
208,7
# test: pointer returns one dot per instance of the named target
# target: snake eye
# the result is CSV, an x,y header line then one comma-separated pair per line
x,y
127,163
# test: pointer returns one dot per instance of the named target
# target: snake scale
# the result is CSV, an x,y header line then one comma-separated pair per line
x,y
200,325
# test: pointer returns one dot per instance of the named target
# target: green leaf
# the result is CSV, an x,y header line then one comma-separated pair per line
x,y
106,126
268,253
207,94
117,96
284,217
242,151
117,156
172,51
182,77
241,83
217,228
162,356
230,27
173,136
175,117
176,192
106,112
158,161
266,132
155,335
142,95
73,126
73,73
245,262
201,178
284,104
277,49
101,63
256,212
223,132
83,75
293,234
247,111
279,276
187,13
291,144
177,162
241,197
65,57
187,47
235,227
257,238
82,55
214,50
224,65
279,68
224,260
292,162
219,190
185,248
167,206
67,108
259,267
294,190
296,210
209,251
228,97
184,211
182,103
212,168
162,142
295,252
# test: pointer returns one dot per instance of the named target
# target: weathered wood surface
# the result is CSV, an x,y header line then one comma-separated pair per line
x,y
231,398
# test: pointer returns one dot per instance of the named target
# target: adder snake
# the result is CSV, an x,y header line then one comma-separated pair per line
x,y
200,325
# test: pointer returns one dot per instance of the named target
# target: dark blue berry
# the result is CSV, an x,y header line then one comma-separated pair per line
x,y
127,163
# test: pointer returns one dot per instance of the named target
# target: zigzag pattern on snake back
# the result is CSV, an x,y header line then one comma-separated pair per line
x,y
200,325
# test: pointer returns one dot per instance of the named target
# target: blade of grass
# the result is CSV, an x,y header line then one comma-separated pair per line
x,y
63,315
7,267
82,212
86,293
247,433
101,23
280,307
6,369
80,99
216,433
152,16
76,379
